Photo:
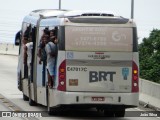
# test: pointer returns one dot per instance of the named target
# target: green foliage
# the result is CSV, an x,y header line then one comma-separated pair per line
x,y
149,55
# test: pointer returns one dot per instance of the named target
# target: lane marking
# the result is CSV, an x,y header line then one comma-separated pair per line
x,y
12,107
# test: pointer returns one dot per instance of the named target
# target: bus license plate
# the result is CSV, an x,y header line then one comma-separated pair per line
x,y
98,99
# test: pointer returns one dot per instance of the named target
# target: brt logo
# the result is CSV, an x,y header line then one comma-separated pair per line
x,y
95,76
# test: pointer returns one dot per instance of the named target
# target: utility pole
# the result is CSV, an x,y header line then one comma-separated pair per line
x,y
59,4
132,9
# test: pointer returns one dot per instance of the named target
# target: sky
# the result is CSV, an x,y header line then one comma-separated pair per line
x,y
12,12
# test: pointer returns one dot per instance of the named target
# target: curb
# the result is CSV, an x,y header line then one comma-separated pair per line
x,y
147,105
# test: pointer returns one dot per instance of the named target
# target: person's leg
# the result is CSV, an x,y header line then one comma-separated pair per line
x,y
54,76
53,81
29,71
50,83
43,74
25,71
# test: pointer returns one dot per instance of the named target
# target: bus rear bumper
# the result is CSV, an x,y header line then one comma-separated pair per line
x,y
88,98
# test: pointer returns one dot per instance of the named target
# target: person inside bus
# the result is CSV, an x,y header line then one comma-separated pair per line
x,y
28,49
46,31
25,41
51,58
52,33
42,53
43,57
42,43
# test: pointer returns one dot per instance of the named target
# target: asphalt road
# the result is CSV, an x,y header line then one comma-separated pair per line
x,y
11,98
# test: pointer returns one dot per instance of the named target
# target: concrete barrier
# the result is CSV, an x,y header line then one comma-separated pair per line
x,y
150,88
9,49
149,94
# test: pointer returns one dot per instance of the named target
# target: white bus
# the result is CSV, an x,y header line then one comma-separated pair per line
x,y
97,62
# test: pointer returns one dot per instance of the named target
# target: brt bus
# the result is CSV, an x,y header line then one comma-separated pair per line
x,y
97,62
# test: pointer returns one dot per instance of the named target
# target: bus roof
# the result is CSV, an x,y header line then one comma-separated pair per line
x,y
87,13
55,13
68,13
47,12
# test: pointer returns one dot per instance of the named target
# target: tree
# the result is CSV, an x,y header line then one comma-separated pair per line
x,y
149,55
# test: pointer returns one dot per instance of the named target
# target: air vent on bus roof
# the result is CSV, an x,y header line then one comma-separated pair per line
x,y
97,14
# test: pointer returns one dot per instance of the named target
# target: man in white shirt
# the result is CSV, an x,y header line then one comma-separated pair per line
x,y
51,54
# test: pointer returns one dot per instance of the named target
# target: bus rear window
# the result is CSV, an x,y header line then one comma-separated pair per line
x,y
83,38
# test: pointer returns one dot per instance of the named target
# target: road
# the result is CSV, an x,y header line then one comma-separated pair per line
x,y
11,98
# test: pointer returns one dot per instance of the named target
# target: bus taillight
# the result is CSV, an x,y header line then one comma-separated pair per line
x,y
62,76
135,77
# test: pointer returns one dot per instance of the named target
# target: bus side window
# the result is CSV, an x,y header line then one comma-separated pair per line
x,y
61,38
56,32
42,53
33,37
25,41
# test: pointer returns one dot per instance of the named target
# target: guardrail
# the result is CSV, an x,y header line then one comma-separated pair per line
x,y
8,48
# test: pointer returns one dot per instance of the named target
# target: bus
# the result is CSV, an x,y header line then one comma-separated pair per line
x,y
97,63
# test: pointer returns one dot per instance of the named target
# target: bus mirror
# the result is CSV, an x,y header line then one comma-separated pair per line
x,y
17,41
17,38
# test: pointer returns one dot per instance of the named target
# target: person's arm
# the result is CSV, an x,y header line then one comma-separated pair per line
x,y
40,47
40,55
39,52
